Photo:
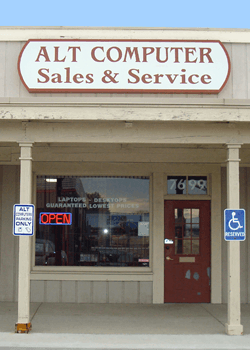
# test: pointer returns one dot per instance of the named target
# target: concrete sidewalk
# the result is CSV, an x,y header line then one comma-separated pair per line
x,y
123,326
123,318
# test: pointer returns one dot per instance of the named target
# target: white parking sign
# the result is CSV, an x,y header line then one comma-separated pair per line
x,y
23,220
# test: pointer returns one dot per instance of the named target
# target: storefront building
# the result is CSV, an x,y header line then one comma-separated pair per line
x,y
130,143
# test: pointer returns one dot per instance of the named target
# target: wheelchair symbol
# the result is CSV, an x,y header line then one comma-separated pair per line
x,y
234,223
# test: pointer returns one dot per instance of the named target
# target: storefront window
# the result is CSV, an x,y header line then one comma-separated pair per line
x,y
92,221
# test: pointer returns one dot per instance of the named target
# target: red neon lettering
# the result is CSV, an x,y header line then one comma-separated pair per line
x,y
66,218
55,218
42,218
51,217
59,218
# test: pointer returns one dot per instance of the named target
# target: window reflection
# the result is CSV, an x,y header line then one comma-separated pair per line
x,y
187,231
110,221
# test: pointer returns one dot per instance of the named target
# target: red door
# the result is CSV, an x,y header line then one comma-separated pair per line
x,y
187,252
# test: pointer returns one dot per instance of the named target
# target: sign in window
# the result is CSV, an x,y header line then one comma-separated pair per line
x,y
92,221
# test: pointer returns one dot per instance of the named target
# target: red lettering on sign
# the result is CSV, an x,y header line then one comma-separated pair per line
x,y
45,76
147,51
131,52
52,217
207,54
44,218
190,79
176,53
137,79
74,48
157,78
66,218
57,55
93,53
169,76
158,55
89,78
119,53
55,218
59,218
146,78
43,52
189,51
206,79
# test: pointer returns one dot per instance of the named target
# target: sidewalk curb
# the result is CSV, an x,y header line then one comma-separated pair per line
x,y
66,341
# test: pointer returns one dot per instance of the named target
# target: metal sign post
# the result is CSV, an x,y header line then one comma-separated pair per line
x,y
234,225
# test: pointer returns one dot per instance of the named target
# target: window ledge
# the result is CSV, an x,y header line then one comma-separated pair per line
x,y
54,275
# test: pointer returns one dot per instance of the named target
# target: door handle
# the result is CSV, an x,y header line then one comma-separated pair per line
x,y
168,258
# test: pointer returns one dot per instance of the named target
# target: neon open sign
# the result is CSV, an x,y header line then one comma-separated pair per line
x,y
55,219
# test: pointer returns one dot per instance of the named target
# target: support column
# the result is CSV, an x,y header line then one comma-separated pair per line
x,y
158,238
23,324
233,325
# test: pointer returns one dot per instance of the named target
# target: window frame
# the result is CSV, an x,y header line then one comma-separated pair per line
x,y
48,271
188,196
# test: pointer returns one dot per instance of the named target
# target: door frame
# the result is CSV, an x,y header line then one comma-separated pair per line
x,y
217,179
180,262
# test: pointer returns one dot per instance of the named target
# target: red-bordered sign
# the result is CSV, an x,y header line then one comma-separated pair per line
x,y
124,66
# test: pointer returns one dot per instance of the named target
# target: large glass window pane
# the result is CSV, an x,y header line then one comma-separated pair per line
x,y
92,221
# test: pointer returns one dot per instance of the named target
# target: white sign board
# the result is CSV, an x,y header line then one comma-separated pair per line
x,y
143,228
23,220
168,241
133,66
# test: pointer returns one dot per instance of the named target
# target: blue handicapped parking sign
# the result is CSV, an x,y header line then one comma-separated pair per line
x,y
234,225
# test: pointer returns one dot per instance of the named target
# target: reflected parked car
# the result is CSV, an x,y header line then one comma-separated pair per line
x,y
45,253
